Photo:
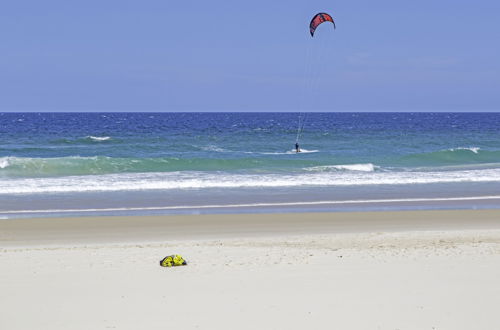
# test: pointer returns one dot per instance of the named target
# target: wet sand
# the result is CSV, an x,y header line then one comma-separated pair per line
x,y
84,230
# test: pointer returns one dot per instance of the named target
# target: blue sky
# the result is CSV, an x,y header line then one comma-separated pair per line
x,y
249,56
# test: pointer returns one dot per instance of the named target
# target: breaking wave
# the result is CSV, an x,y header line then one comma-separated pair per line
x,y
76,165
203,180
98,138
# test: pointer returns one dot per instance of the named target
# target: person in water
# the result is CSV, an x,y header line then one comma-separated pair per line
x,y
297,148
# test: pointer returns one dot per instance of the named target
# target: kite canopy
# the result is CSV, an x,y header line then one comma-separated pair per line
x,y
318,19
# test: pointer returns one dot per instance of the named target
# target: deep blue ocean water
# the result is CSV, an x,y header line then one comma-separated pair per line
x,y
82,160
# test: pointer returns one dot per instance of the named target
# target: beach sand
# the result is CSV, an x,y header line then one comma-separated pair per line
x,y
366,270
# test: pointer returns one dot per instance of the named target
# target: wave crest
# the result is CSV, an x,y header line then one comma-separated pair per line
x,y
473,149
16,167
4,162
98,138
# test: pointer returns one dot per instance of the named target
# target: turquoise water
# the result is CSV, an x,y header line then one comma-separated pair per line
x,y
198,155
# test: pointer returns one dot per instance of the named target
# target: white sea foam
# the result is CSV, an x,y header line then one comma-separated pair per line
x,y
271,153
305,151
4,162
203,180
288,152
213,148
98,138
473,149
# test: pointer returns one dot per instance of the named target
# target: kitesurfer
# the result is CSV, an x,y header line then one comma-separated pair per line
x,y
317,20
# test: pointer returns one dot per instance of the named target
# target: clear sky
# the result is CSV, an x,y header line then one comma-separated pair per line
x,y
214,55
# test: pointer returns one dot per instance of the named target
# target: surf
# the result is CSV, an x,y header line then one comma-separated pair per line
x,y
223,180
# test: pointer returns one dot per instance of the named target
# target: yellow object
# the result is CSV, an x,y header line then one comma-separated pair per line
x,y
173,260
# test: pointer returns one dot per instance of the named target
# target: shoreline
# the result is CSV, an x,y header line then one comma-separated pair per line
x,y
159,208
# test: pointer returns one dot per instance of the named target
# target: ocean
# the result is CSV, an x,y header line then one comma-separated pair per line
x,y
157,163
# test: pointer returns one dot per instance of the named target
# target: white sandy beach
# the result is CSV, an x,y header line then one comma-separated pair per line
x,y
373,270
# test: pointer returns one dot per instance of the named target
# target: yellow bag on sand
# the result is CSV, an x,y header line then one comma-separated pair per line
x,y
173,260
